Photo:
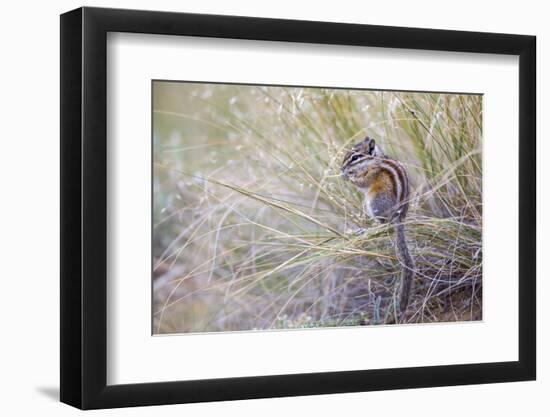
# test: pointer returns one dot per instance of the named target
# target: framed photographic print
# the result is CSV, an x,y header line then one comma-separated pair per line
x,y
257,207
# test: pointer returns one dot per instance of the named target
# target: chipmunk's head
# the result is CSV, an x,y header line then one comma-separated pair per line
x,y
361,156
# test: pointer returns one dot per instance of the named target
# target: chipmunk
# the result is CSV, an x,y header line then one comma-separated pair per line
x,y
385,183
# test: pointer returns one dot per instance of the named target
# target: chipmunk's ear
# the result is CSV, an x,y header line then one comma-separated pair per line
x,y
371,146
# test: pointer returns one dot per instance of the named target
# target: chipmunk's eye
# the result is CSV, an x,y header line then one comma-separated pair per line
x,y
355,157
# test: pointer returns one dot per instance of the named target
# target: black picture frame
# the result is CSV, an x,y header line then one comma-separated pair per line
x,y
84,207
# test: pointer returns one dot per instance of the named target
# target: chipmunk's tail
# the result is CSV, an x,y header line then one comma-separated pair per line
x,y
407,273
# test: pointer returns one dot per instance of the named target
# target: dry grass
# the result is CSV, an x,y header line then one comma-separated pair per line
x,y
255,229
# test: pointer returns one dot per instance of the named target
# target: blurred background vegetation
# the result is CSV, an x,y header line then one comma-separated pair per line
x,y
253,228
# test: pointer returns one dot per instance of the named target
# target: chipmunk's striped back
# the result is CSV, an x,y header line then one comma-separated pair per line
x,y
385,183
